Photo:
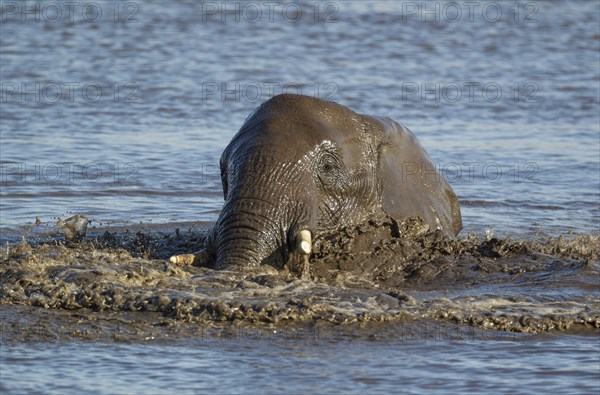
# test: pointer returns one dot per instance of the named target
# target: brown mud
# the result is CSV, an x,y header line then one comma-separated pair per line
x,y
123,279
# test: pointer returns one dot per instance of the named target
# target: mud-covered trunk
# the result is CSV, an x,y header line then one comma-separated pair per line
x,y
267,199
251,231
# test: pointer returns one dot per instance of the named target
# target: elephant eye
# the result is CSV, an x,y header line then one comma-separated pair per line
x,y
328,164
329,171
327,167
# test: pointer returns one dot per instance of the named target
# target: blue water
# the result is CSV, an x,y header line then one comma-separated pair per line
x,y
336,365
127,120
122,116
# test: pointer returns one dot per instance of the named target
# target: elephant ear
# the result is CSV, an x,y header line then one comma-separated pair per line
x,y
223,168
410,185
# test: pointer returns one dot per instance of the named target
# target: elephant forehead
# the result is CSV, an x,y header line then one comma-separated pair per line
x,y
294,138
292,147
356,151
352,151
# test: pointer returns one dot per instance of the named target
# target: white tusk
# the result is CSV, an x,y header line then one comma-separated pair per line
x,y
305,241
184,259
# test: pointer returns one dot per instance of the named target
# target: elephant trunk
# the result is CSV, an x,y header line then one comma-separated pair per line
x,y
251,232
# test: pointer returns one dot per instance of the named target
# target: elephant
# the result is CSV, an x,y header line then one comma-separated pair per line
x,y
300,166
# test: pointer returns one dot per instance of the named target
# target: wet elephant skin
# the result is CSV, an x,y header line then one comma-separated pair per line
x,y
304,164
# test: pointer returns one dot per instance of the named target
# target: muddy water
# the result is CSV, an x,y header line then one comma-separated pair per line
x,y
514,302
523,286
460,306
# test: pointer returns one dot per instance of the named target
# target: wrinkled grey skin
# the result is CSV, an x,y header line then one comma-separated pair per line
x,y
303,163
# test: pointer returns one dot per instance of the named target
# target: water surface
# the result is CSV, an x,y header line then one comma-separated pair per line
x,y
507,106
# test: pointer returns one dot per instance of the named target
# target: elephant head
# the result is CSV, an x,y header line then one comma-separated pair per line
x,y
300,166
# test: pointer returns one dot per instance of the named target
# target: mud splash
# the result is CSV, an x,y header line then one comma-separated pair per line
x,y
123,277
